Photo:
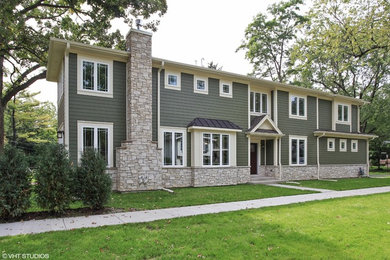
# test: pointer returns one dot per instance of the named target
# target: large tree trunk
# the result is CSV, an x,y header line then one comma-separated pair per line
x,y
2,106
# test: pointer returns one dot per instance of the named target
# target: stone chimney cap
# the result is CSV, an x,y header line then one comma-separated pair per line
x,y
138,31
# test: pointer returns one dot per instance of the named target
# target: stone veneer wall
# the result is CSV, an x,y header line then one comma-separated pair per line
x,y
138,158
332,171
177,177
219,176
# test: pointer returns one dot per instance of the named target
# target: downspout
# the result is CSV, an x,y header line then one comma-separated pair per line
x,y
318,155
158,103
280,158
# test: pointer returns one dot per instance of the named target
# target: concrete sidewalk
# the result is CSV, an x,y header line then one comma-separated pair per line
x,y
46,225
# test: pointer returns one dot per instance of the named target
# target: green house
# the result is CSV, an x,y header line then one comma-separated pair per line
x,y
160,123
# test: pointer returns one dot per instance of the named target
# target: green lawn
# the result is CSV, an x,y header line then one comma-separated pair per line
x,y
381,171
348,228
190,196
344,184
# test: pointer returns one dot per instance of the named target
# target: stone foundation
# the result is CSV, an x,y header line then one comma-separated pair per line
x,y
112,172
177,177
310,172
220,176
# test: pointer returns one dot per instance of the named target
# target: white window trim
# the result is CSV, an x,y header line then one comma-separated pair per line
x,y
289,107
206,84
337,114
341,141
291,137
89,92
177,74
334,144
161,141
61,83
254,113
357,146
92,124
221,93
211,150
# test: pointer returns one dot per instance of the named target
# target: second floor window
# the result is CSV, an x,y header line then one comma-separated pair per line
x,y
95,76
258,102
342,113
297,106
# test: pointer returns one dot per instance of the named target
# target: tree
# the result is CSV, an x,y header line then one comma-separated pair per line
x,y
214,65
27,25
268,40
29,122
345,48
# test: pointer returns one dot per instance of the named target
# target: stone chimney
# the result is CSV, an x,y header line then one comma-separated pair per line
x,y
138,160
139,88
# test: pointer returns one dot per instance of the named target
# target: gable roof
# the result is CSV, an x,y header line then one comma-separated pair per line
x,y
263,120
58,47
212,123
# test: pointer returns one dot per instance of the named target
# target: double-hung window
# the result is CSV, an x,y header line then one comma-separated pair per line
x,y
343,113
297,106
173,152
216,149
298,152
94,76
258,102
96,136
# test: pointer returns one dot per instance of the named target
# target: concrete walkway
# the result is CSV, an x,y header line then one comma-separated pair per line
x,y
298,187
46,225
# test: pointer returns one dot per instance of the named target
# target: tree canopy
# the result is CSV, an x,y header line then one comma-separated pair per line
x,y
26,27
269,38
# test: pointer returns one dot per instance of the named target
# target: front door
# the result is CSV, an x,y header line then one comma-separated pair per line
x,y
253,158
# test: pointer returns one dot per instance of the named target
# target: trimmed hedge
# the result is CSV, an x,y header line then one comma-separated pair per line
x,y
15,183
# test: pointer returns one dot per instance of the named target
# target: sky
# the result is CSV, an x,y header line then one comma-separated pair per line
x,y
195,32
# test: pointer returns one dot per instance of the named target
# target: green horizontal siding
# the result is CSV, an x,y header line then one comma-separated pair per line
x,y
347,157
291,126
178,108
354,118
342,128
325,114
270,152
99,109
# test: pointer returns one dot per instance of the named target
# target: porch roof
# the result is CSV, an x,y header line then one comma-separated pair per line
x,y
264,126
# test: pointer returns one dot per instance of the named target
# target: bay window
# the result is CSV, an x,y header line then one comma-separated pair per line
x,y
173,151
215,149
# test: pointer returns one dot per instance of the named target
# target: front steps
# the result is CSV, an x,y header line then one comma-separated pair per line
x,y
258,179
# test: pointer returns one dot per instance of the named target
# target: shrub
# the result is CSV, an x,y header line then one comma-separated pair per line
x,y
54,178
94,183
15,183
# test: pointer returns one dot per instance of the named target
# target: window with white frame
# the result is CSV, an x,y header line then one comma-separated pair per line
x,y
201,85
298,151
342,113
172,80
94,76
297,106
354,146
331,144
173,148
216,149
97,136
225,89
343,145
258,102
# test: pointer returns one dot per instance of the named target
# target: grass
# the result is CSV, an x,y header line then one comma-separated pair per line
x,y
348,228
189,196
345,184
380,171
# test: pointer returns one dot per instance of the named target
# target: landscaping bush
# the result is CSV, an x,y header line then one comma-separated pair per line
x,y
94,183
15,183
54,178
